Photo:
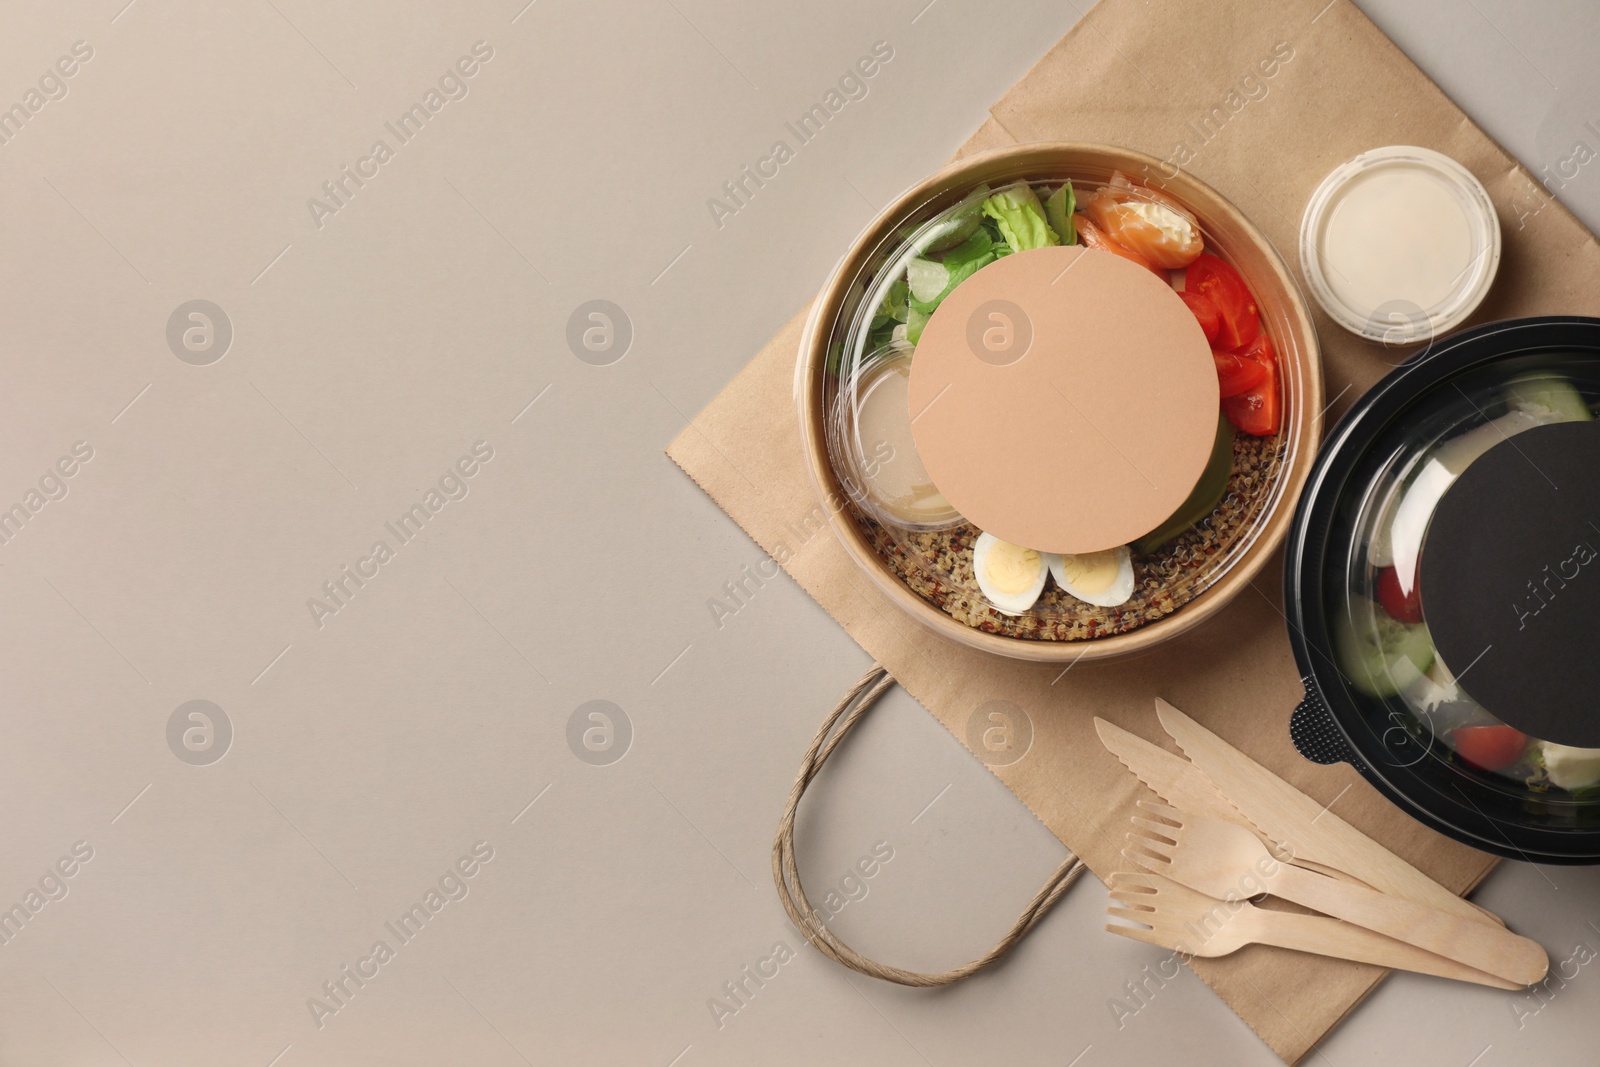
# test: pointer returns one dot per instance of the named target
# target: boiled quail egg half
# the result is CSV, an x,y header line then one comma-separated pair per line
x,y
1009,576
1104,579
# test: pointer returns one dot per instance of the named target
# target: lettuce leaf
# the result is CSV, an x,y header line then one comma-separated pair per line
x,y
893,308
960,221
959,264
1058,211
1020,217
927,279
962,262
915,321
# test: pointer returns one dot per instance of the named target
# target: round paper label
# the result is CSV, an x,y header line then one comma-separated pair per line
x,y
1064,399
1510,581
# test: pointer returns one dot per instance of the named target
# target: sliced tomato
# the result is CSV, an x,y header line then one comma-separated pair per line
x,y
1157,230
1205,312
1258,410
1236,373
1241,322
1492,748
1261,349
1092,236
1407,607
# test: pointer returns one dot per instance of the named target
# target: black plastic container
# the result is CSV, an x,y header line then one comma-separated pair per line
x,y
1378,693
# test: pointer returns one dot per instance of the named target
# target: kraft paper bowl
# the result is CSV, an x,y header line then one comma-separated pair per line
x,y
1228,232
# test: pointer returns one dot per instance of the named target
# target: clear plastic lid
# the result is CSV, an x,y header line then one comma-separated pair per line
x,y
1398,641
871,434
931,550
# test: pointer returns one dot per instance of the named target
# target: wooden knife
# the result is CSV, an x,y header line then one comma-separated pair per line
x,y
1184,786
1299,824
1170,776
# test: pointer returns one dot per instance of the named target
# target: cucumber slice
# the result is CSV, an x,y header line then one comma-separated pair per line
x,y
963,229
958,264
1549,399
1379,654
961,221
926,278
915,321
1203,499
894,304
929,235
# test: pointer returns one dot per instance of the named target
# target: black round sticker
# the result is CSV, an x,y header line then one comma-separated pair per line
x,y
1510,581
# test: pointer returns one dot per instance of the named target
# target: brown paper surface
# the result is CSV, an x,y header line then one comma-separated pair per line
x,y
1148,76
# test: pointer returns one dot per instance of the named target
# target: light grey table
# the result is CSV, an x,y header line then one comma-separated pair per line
x,y
398,746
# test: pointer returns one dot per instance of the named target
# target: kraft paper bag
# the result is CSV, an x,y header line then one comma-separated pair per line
x,y
1337,86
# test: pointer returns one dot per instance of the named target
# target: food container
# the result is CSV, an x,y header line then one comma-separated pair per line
x,y
919,553
1442,590
1399,244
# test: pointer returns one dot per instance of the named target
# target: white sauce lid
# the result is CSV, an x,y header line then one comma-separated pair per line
x,y
1400,244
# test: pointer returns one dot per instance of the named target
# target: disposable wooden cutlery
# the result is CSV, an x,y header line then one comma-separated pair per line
x,y
1195,924
1286,815
1182,784
1227,862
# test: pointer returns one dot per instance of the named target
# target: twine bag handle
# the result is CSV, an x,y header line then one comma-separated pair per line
x,y
786,875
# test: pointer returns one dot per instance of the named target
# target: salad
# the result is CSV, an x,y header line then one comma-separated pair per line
x,y
1381,642
1121,218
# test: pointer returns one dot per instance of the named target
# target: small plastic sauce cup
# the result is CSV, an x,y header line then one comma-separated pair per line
x,y
1400,244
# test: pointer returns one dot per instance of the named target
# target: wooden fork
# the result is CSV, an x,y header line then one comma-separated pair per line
x,y
1194,924
1228,862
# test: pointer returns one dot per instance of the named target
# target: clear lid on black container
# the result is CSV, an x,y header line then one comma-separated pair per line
x,y
1457,580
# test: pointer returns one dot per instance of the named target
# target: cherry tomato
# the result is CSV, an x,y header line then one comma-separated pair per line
x,y
1407,607
1241,322
1491,748
1091,236
1161,233
1236,373
1205,312
1258,410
